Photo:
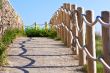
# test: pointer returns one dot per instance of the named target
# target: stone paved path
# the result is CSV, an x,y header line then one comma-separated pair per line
x,y
41,55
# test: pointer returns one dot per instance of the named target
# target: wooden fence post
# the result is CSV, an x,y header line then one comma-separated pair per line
x,y
68,25
61,23
65,31
55,18
81,36
74,30
106,39
58,23
90,32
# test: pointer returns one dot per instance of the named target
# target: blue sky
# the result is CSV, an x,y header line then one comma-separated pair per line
x,y
41,10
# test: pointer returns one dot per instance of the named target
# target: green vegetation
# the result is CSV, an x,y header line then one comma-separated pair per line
x,y
99,52
3,57
9,35
98,45
37,31
6,39
0,4
99,68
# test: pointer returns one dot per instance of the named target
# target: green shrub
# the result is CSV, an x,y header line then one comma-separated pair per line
x,y
3,57
98,45
85,68
0,4
9,35
6,39
99,68
40,32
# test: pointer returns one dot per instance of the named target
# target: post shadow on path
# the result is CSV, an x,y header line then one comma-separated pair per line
x,y
24,50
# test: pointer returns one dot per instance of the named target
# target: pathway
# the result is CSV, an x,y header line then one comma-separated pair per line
x,y
41,55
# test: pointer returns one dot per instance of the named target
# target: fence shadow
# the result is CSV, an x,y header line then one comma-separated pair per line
x,y
24,51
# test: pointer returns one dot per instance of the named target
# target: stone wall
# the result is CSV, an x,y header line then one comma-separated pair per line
x,y
9,17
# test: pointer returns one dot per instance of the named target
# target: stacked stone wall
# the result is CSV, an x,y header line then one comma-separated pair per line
x,y
9,17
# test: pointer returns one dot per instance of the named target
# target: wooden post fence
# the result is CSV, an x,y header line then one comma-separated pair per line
x,y
77,30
